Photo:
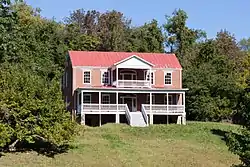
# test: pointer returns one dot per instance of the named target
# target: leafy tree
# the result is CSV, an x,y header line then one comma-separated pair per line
x,y
31,102
178,36
147,38
112,31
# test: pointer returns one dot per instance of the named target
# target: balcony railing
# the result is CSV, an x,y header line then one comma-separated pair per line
x,y
132,83
168,109
102,108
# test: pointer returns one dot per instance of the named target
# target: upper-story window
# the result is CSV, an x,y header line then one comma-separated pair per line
x,y
105,77
147,77
87,77
168,78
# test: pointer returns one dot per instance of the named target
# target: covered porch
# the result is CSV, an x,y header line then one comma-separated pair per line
x,y
148,102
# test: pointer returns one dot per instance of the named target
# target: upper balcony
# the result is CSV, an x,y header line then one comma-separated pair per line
x,y
133,72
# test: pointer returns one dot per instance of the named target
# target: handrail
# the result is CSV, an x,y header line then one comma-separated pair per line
x,y
102,107
160,108
144,114
131,83
127,112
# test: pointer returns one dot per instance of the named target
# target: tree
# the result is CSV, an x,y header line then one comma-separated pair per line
x,y
31,101
112,31
178,36
147,38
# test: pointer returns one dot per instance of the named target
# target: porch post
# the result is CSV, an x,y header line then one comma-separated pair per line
x,y
151,121
100,97
117,116
167,110
184,115
100,116
117,70
82,114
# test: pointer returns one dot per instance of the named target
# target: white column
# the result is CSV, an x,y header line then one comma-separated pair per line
x,y
151,121
82,114
117,70
184,115
167,110
117,117
100,98
184,119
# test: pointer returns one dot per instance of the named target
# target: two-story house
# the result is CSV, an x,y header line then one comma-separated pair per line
x,y
136,88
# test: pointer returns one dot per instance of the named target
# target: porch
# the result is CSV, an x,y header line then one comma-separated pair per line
x,y
132,104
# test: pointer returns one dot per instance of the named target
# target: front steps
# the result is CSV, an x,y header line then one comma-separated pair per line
x,y
137,120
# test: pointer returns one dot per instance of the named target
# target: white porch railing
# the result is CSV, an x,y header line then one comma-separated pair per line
x,y
101,108
132,83
169,109
127,113
144,114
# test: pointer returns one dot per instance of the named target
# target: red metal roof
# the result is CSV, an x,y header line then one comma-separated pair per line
x,y
107,59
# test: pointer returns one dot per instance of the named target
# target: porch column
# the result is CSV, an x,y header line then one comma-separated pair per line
x,y
167,110
117,70
117,116
100,115
184,115
82,114
151,121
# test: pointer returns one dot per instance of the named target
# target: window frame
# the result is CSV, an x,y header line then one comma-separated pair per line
x,y
108,77
171,79
89,76
147,77
148,99
106,95
90,98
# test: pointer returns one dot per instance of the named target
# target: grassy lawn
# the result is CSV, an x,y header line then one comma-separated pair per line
x,y
196,144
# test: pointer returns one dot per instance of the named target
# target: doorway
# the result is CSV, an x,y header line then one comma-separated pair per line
x,y
131,102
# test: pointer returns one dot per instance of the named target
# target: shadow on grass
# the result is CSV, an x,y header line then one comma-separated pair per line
x,y
230,138
39,146
221,133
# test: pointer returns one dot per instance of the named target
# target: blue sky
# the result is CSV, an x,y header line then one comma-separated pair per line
x,y
209,15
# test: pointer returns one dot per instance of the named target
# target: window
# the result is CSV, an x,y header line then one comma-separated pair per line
x,y
170,99
147,77
105,77
105,99
86,77
168,78
148,99
87,98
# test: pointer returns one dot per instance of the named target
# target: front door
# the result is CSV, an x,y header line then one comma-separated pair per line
x,y
131,102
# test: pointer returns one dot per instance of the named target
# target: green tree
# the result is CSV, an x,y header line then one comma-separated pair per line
x,y
147,38
31,102
179,37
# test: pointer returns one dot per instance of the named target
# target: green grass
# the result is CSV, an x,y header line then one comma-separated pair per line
x,y
196,144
